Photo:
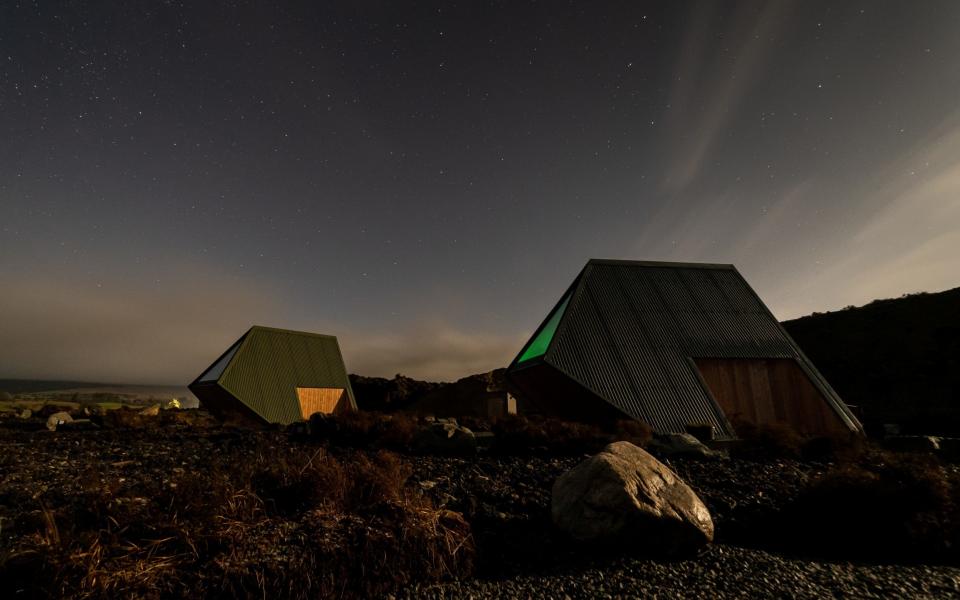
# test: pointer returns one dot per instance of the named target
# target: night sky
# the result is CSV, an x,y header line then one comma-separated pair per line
x,y
425,181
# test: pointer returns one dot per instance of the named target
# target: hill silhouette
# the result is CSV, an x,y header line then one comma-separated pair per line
x,y
898,359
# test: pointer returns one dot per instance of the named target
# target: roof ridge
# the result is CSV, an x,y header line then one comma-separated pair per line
x,y
292,331
662,264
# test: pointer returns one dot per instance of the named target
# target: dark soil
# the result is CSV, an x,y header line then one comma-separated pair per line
x,y
504,499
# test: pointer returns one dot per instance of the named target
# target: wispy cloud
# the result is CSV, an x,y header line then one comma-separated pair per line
x,y
902,236
700,111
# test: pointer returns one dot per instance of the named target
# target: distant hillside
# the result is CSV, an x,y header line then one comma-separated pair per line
x,y
898,359
388,395
469,396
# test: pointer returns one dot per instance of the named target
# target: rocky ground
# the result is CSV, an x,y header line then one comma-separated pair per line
x,y
506,501
509,497
721,571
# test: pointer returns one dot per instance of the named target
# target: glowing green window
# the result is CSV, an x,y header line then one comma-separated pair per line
x,y
539,344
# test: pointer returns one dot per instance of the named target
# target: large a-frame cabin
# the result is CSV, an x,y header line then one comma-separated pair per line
x,y
672,345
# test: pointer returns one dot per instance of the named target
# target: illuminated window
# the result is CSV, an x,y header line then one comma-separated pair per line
x,y
322,400
540,342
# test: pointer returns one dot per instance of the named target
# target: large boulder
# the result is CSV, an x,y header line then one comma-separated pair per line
x,y
624,495
445,438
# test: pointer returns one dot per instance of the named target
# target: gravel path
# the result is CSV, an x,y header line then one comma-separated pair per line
x,y
719,572
507,499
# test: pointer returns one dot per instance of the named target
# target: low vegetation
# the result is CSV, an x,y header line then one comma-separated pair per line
x,y
294,523
865,502
775,441
883,505
512,434
175,503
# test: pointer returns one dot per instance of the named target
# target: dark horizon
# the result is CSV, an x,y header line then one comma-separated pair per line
x,y
424,182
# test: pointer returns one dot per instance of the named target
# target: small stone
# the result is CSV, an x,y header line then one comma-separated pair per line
x,y
57,419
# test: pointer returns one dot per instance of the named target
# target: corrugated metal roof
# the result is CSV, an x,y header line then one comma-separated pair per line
x,y
631,327
270,364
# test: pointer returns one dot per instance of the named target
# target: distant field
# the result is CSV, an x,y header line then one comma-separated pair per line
x,y
139,391
94,393
32,404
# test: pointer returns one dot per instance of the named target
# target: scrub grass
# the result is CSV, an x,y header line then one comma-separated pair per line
x,y
298,524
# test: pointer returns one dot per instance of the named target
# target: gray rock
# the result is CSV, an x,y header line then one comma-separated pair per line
x,y
680,444
445,438
57,419
624,495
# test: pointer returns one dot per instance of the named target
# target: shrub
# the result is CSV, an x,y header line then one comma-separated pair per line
x,y
635,432
364,429
354,428
477,423
834,448
884,505
396,431
762,442
522,435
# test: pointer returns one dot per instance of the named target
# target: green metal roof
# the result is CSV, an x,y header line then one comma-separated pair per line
x,y
269,365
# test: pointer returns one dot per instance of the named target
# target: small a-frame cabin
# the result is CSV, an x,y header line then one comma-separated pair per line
x,y
673,345
277,376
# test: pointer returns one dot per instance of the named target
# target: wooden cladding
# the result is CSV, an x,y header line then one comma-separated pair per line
x,y
767,391
322,400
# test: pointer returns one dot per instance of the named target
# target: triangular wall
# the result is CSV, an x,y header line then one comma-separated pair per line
x,y
217,368
540,343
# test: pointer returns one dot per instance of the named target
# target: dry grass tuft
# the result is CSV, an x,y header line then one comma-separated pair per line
x,y
295,523
763,442
883,505
635,432
522,435
779,441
